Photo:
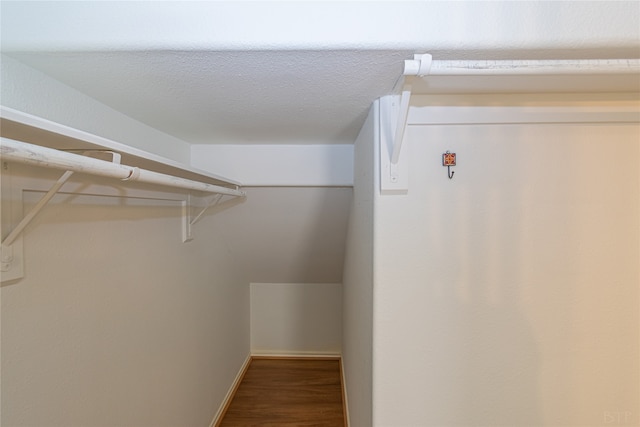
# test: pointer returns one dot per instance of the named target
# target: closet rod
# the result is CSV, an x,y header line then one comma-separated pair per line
x,y
22,152
423,65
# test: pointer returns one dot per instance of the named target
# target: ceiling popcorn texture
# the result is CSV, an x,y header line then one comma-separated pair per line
x,y
291,72
222,97
274,72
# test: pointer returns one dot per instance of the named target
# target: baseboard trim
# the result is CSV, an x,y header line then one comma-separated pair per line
x,y
222,410
345,403
325,356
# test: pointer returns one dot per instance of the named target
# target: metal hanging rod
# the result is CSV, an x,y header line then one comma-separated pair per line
x,y
424,65
11,256
22,152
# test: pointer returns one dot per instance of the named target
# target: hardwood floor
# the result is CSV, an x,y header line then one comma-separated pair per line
x,y
288,392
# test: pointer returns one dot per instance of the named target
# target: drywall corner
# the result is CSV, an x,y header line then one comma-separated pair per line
x,y
31,91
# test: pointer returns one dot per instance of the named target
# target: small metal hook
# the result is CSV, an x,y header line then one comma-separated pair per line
x,y
448,160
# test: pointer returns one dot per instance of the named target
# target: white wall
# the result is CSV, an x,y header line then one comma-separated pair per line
x,y
30,91
357,295
288,234
296,318
508,295
277,164
117,322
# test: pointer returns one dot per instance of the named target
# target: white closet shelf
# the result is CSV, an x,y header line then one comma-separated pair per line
x,y
35,130
33,140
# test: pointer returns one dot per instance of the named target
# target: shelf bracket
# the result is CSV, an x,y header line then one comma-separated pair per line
x,y
11,237
8,254
11,251
214,201
394,168
187,234
188,221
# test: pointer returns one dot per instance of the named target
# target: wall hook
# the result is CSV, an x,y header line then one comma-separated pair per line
x,y
448,160
450,172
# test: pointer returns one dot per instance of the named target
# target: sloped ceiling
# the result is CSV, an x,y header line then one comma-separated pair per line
x,y
303,72
205,97
290,72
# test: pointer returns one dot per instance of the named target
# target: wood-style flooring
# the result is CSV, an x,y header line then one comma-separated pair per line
x,y
288,392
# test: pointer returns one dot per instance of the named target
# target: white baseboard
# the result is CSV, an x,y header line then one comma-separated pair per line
x,y
296,354
232,390
345,400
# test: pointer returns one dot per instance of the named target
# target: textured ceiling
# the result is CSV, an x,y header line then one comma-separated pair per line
x,y
290,72
207,97
270,97
294,72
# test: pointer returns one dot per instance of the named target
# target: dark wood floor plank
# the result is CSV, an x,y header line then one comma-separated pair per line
x,y
288,392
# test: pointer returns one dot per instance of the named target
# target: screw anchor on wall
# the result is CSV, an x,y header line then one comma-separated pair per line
x,y
448,160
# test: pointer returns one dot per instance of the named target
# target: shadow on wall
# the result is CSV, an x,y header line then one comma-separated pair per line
x,y
117,320
296,294
489,373
289,235
527,266
328,215
485,359
296,318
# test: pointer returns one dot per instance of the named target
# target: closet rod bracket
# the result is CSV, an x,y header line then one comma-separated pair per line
x,y
394,160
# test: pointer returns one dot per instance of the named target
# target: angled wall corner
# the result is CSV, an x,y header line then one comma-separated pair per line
x,y
278,165
358,276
